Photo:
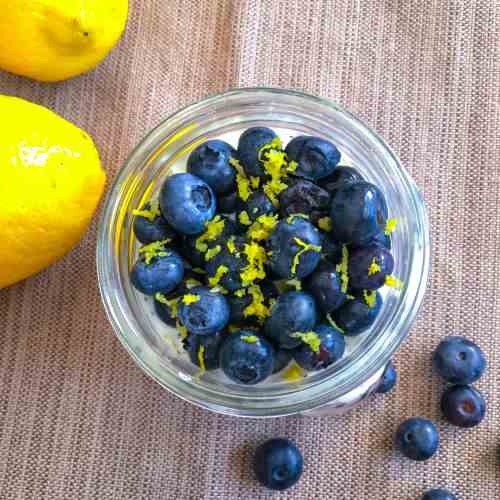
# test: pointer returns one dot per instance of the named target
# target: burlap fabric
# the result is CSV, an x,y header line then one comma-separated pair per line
x,y
79,421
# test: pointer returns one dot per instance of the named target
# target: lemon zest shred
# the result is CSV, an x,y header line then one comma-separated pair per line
x,y
192,282
212,252
374,268
295,283
173,304
292,166
155,249
390,226
201,358
219,289
250,339
272,302
160,297
221,271
293,373
306,247
275,165
255,182
244,218
350,297
231,245
199,270
325,223
213,229
393,282
256,258
190,298
233,328
182,330
342,269
370,297
257,307
150,214
309,338
241,292
333,323
292,217
242,181
262,228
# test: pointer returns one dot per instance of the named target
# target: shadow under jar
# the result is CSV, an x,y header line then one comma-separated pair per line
x,y
153,345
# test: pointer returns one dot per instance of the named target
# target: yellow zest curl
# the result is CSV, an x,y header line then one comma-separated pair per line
x,y
231,245
255,182
294,373
201,358
342,269
151,214
212,252
242,181
250,339
333,323
374,268
256,258
390,226
393,282
370,297
292,217
214,229
244,218
309,338
306,247
325,223
190,298
155,249
257,307
262,228
295,283
221,271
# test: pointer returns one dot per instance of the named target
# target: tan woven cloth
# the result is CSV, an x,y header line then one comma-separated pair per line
x,y
79,421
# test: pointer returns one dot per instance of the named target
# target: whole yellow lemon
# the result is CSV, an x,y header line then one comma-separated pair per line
x,y
53,40
51,180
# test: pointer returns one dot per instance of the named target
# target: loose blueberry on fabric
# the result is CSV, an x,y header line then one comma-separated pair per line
x,y
278,464
358,213
320,348
160,273
249,149
417,438
463,406
356,315
246,357
388,380
295,248
204,350
293,312
150,226
439,494
369,266
210,162
187,202
316,157
458,360
203,311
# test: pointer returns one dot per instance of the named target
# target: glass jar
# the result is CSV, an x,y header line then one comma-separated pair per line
x,y
153,345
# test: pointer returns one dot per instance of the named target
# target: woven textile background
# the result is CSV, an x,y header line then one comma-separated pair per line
x,y
79,421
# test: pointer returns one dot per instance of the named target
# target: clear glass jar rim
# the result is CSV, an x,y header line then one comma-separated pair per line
x,y
360,368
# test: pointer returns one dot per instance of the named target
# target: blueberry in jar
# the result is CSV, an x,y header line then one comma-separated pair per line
x,y
203,350
295,248
358,212
438,494
278,464
187,202
203,311
369,267
341,175
282,358
388,380
358,314
381,238
417,439
210,162
158,270
463,406
458,360
150,226
304,197
246,357
331,249
319,348
257,204
293,312
166,309
250,147
325,285
228,203
315,157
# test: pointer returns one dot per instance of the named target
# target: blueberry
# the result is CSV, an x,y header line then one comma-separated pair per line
x,y
257,204
356,316
382,239
439,494
304,197
295,246
152,226
249,146
210,162
320,348
325,286
281,359
187,202
246,358
358,211
207,314
459,360
293,312
237,307
369,266
331,249
463,406
417,438
187,248
160,273
316,157
165,312
341,175
228,203
269,289
278,464
204,350
388,380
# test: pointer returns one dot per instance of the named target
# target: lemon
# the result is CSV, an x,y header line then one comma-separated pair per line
x,y
53,40
51,180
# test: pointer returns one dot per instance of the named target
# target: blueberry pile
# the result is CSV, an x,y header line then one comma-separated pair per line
x,y
265,254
